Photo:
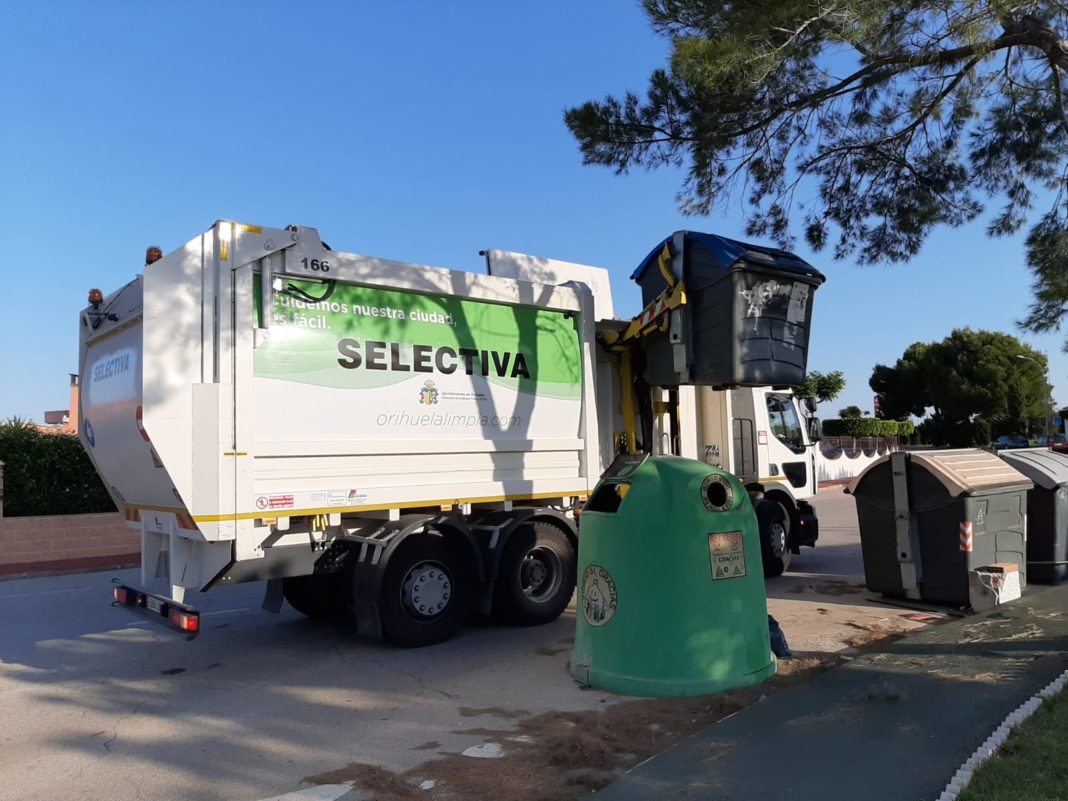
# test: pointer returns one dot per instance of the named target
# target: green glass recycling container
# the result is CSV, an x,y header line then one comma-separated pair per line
x,y
671,589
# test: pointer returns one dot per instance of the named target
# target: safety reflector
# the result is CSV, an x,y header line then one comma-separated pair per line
x,y
138,415
966,541
122,595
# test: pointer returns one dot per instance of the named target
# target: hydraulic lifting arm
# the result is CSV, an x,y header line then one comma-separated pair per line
x,y
656,316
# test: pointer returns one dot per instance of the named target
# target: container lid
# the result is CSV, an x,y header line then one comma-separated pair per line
x,y
728,252
1047,469
968,471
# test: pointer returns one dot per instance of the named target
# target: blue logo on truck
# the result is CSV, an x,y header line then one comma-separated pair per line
x,y
89,433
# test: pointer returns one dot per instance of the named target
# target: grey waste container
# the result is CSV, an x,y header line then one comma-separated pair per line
x,y
928,518
747,314
1047,512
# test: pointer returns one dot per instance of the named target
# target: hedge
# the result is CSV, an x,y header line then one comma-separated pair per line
x,y
867,427
48,474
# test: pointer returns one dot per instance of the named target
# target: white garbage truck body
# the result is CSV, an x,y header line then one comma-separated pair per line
x,y
254,398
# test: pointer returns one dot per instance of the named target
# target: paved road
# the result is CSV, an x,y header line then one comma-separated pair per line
x,y
97,705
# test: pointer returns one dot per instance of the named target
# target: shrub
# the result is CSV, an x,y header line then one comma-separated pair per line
x,y
867,427
48,474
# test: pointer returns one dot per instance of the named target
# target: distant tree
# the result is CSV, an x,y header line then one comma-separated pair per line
x,y
902,389
977,382
850,412
823,386
895,118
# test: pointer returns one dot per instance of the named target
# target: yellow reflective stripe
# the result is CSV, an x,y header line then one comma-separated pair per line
x,y
328,510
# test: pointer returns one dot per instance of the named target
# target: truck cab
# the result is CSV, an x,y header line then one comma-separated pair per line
x,y
774,443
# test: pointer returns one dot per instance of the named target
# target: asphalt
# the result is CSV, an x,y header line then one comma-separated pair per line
x,y
894,723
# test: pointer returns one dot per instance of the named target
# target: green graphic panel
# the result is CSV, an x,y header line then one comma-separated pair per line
x,y
348,336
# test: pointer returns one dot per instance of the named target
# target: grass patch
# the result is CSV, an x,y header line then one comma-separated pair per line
x,y
1033,762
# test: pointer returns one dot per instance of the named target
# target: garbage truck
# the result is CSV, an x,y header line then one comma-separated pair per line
x,y
386,442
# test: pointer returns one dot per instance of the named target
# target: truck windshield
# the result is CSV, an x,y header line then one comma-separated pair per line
x,y
784,422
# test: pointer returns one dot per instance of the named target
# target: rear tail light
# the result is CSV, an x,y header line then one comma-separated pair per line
x,y
185,621
122,595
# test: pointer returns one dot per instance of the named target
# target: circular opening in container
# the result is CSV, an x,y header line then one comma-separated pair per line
x,y
717,493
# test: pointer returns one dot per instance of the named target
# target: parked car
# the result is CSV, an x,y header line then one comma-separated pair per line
x,y
1009,441
1051,440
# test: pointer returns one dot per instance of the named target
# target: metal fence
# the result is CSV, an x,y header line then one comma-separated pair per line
x,y
852,446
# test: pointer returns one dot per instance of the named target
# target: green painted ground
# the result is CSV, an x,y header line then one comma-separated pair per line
x,y
1033,763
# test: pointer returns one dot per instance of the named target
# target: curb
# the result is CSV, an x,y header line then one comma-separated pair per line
x,y
55,567
994,742
833,482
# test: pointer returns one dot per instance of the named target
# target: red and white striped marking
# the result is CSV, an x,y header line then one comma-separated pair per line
x,y
966,537
141,425
653,311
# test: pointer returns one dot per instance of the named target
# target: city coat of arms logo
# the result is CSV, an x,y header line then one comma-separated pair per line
x,y
428,394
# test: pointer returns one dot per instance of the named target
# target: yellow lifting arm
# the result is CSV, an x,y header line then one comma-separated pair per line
x,y
653,316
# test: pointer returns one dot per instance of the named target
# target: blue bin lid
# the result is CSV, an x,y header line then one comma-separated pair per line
x,y
728,252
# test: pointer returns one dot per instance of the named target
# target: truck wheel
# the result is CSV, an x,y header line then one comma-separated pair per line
x,y
537,576
424,592
317,596
774,526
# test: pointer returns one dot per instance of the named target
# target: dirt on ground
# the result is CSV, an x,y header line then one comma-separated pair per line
x,y
560,756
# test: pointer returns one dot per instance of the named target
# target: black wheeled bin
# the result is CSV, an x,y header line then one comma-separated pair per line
x,y
929,518
747,314
1047,512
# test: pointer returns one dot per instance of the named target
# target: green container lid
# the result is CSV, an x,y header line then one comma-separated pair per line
x,y
671,589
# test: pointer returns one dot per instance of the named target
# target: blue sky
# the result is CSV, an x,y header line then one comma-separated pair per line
x,y
414,131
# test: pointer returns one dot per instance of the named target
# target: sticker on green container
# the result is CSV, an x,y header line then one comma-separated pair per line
x,y
598,595
727,552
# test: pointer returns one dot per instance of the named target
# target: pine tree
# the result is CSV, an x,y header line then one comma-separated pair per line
x,y
896,117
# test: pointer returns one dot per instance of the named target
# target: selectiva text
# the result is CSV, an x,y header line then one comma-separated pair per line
x,y
398,357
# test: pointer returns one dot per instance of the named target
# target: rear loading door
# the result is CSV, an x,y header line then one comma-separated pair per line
x,y
111,412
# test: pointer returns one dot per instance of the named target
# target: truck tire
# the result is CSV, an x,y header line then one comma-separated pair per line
x,y
425,592
317,596
773,524
537,576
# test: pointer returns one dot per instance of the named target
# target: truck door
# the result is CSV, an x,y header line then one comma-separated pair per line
x,y
745,433
786,448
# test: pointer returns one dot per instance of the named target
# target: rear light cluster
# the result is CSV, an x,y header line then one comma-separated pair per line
x,y
158,609
185,621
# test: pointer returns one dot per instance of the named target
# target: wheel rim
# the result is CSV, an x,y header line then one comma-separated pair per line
x,y
540,574
426,590
777,538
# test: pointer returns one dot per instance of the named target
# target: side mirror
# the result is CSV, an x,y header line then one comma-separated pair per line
x,y
815,429
810,404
